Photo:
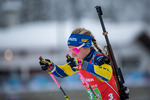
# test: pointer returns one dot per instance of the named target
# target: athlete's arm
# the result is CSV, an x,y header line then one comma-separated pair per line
x,y
63,71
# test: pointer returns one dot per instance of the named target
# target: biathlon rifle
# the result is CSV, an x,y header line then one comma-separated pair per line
x,y
123,90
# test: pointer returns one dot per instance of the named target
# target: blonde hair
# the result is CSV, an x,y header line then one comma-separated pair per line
x,y
87,32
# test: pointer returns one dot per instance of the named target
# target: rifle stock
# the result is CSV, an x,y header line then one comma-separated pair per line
x,y
123,91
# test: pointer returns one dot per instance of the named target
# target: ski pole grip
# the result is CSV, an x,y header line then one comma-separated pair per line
x,y
49,63
40,58
44,61
68,56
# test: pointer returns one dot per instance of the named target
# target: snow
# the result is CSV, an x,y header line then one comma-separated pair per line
x,y
52,34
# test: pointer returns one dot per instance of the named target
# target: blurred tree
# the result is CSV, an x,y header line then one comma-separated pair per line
x,y
75,10
1,14
33,10
146,15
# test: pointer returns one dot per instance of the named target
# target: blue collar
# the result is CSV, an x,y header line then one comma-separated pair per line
x,y
90,55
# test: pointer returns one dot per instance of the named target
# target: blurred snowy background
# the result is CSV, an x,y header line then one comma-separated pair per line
x,y
33,28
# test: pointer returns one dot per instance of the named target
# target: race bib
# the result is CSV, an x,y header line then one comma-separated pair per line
x,y
92,96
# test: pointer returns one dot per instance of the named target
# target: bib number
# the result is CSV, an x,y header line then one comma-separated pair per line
x,y
110,96
92,96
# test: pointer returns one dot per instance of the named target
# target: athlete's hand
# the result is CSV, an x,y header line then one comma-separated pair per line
x,y
47,64
73,62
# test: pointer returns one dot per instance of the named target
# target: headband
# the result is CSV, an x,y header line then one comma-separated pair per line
x,y
79,39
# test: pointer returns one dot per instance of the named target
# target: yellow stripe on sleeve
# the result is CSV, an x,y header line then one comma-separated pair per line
x,y
104,70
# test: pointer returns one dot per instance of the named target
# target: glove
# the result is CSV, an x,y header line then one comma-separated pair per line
x,y
45,66
73,62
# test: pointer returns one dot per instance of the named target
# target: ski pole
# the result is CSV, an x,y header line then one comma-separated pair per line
x,y
49,68
87,84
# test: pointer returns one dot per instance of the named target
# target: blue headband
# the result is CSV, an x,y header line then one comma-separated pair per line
x,y
79,39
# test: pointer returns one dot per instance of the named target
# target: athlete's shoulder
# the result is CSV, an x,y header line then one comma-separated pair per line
x,y
98,58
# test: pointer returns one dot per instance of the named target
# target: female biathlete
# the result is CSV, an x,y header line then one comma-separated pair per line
x,y
95,68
